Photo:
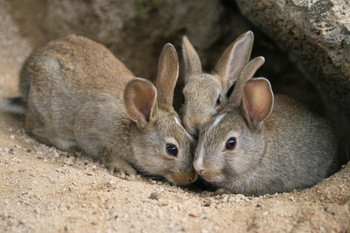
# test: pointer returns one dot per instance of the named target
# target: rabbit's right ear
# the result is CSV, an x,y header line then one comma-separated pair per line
x,y
235,57
257,101
191,59
140,99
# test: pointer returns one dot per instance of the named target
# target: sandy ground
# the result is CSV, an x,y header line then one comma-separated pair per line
x,y
43,189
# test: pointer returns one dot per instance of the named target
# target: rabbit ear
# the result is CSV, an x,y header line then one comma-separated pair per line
x,y
257,101
168,72
235,57
191,59
246,74
140,99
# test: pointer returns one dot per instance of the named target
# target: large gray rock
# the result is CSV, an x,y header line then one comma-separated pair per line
x,y
316,35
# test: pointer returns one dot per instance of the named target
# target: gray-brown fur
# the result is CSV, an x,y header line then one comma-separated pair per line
x,y
280,145
80,97
206,93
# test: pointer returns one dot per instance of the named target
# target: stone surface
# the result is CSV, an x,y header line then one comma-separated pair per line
x,y
316,35
134,30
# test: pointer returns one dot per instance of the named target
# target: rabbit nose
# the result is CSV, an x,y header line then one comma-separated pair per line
x,y
200,172
198,166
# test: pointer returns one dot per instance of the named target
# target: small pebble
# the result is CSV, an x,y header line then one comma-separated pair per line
x,y
226,198
207,202
155,196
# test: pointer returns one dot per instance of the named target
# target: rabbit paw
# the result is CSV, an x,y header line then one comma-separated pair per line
x,y
221,191
122,170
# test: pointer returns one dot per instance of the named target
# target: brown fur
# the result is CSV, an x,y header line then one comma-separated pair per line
x,y
280,145
202,91
79,96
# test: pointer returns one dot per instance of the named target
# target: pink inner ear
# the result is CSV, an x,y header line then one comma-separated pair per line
x,y
146,111
253,114
144,102
258,99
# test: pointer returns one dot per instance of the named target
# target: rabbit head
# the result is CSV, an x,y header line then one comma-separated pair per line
x,y
161,144
205,93
231,142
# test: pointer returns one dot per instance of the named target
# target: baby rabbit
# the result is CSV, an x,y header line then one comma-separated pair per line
x,y
260,144
205,93
80,97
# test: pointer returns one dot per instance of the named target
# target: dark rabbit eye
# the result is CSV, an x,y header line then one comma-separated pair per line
x,y
218,102
231,143
172,149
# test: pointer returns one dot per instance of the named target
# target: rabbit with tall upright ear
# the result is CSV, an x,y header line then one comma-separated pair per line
x,y
261,144
205,93
78,96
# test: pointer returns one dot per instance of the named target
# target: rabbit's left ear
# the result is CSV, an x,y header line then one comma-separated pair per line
x,y
246,74
235,57
257,101
191,59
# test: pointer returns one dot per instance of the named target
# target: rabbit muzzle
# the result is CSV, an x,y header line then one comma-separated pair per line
x,y
183,178
211,174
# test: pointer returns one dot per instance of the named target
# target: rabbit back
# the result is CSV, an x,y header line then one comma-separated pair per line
x,y
304,140
77,63
59,78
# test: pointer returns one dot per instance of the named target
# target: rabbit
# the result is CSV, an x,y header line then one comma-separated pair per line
x,y
204,93
79,96
264,144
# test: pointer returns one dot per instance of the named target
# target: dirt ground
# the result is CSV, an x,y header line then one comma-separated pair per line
x,y
43,189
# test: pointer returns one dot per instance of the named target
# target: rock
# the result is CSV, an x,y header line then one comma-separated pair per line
x,y
206,202
134,30
155,196
316,36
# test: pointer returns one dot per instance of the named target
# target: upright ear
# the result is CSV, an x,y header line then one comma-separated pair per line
x,y
257,101
191,59
245,75
168,72
235,57
140,99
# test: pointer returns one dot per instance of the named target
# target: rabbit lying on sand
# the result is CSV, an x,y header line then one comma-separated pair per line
x,y
260,143
79,96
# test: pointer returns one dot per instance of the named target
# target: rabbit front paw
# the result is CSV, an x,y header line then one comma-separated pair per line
x,y
122,170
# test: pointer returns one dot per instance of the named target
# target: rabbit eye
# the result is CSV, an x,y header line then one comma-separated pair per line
x,y
172,149
231,143
218,102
